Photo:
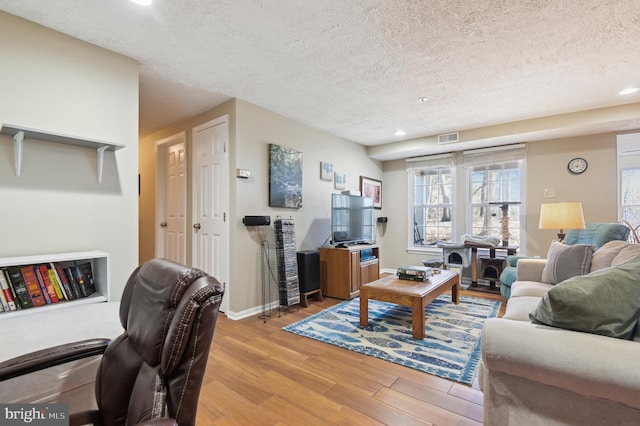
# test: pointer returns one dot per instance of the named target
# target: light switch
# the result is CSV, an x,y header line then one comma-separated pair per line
x,y
549,193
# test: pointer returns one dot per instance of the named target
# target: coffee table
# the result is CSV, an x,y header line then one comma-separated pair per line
x,y
416,294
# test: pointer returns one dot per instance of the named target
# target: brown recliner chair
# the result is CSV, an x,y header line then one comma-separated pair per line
x,y
153,372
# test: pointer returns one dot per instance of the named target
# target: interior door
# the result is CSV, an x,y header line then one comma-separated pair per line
x,y
172,200
210,201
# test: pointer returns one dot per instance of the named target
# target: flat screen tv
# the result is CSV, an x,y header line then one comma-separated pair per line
x,y
352,219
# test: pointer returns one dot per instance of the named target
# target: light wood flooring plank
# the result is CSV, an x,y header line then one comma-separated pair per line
x,y
259,374
429,412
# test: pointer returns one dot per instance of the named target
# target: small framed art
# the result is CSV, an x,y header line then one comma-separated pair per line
x,y
372,188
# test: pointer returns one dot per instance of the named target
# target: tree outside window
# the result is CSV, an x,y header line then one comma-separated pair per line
x,y
630,195
491,184
432,206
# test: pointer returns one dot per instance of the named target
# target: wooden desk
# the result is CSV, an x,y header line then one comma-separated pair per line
x,y
416,294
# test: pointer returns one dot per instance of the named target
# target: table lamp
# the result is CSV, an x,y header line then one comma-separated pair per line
x,y
561,216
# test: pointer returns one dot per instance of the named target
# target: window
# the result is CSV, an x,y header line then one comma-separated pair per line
x,y
432,195
488,199
495,198
628,153
630,195
432,206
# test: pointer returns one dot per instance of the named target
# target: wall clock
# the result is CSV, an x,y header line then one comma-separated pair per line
x,y
577,165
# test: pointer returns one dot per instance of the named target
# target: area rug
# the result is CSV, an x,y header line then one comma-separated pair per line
x,y
450,349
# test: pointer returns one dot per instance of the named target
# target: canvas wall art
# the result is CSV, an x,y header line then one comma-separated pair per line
x,y
285,177
326,171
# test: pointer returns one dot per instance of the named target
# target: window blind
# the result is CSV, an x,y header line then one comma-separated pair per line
x,y
429,161
498,154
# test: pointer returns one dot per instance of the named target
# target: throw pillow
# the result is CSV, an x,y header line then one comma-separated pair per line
x,y
605,302
603,257
565,261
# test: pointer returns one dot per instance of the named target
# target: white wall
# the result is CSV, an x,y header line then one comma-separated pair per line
x,y
256,128
57,83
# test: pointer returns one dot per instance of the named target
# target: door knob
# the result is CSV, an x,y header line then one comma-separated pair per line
x,y
163,224
196,226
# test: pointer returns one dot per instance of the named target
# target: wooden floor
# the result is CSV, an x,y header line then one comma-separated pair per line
x,y
258,374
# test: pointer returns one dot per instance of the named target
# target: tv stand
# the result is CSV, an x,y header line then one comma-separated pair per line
x,y
343,269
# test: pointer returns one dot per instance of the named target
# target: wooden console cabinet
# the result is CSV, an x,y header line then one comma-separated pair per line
x,y
343,270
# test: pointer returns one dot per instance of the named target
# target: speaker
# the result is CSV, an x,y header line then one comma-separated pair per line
x,y
308,270
256,220
383,219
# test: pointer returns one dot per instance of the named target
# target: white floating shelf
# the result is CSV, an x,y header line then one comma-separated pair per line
x,y
19,133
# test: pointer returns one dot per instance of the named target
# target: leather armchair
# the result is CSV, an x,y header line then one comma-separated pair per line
x,y
153,372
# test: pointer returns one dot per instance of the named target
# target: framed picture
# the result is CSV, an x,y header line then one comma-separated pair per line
x,y
285,177
372,188
326,171
340,180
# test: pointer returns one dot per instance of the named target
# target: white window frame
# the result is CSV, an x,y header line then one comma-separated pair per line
x,y
433,162
494,156
462,162
628,157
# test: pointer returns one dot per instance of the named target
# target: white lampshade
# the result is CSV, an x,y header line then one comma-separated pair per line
x,y
561,216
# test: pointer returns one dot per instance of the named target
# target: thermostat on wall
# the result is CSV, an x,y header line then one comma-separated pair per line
x,y
243,174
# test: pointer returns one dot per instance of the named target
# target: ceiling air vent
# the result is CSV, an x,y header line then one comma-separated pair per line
x,y
448,138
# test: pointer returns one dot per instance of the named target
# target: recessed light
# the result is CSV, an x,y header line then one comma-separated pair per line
x,y
422,100
628,90
143,2
400,133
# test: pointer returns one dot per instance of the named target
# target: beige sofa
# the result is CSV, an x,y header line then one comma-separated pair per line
x,y
534,374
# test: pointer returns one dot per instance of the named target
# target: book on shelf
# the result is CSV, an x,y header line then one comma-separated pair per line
x,y
87,273
8,302
57,286
3,303
47,288
72,282
33,285
62,279
4,306
19,286
54,292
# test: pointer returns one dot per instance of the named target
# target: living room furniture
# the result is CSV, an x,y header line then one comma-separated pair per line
x,y
416,294
344,269
309,276
488,264
561,216
536,374
99,261
154,370
597,234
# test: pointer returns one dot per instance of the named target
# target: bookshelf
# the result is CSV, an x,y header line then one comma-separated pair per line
x,y
19,133
100,268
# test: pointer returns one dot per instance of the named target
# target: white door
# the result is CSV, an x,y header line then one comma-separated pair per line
x,y
210,201
172,199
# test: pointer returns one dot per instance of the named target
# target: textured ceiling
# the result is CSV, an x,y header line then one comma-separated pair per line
x,y
355,68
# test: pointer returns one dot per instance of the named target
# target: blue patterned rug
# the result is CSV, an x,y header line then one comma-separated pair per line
x,y
450,349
